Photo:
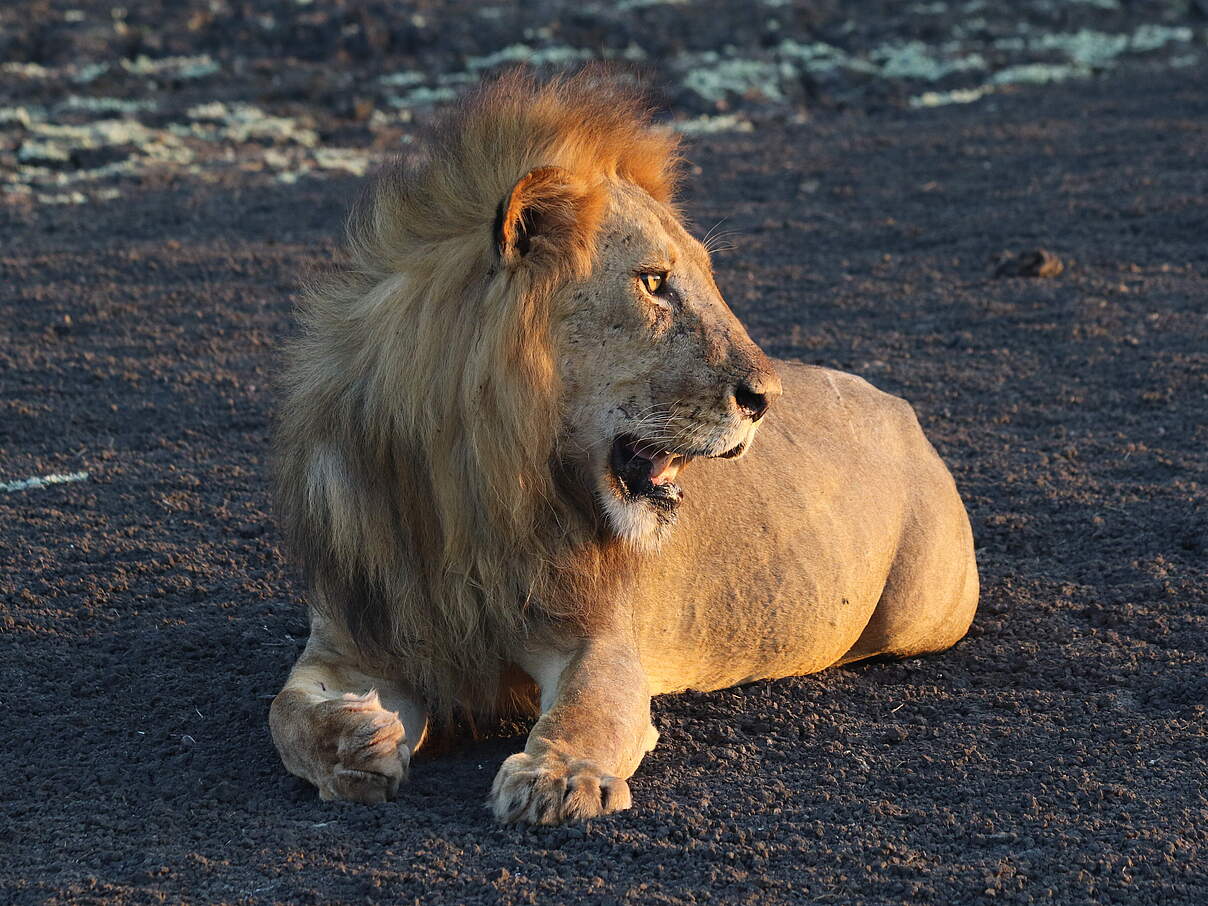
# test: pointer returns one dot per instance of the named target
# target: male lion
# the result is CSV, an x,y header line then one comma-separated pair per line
x,y
516,449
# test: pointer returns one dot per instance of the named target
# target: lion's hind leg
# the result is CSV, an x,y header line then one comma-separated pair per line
x,y
914,621
931,593
349,733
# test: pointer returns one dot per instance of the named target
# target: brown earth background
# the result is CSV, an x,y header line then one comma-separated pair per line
x,y
170,173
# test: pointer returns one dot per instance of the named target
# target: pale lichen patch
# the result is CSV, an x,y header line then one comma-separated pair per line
x,y
956,96
42,481
195,67
704,125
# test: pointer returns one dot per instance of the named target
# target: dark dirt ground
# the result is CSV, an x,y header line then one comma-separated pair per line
x,y
1057,754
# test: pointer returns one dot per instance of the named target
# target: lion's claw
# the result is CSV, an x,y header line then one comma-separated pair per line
x,y
370,757
552,788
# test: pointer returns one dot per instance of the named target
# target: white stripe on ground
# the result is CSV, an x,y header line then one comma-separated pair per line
x,y
26,484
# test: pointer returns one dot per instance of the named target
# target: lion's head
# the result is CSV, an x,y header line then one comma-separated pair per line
x,y
524,350
655,369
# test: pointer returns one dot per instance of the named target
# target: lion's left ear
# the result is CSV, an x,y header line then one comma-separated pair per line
x,y
550,210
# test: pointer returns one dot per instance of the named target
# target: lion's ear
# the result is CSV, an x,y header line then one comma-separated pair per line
x,y
548,210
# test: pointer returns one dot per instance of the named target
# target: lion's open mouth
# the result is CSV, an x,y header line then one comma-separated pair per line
x,y
644,470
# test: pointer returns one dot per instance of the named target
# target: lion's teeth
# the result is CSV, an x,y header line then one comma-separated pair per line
x,y
663,468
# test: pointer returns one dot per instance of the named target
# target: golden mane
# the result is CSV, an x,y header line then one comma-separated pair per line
x,y
416,450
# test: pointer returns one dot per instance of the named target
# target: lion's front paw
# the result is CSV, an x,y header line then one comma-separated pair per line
x,y
552,788
367,757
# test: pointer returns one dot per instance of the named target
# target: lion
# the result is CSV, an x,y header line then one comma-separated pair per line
x,y
516,460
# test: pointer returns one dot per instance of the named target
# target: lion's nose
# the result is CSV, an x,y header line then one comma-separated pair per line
x,y
755,395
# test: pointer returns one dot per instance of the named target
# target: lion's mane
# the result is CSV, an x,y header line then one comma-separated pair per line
x,y
417,462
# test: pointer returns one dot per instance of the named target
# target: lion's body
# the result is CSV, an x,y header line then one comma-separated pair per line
x,y
781,558
483,424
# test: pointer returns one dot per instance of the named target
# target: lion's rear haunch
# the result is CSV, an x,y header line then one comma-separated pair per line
x,y
420,400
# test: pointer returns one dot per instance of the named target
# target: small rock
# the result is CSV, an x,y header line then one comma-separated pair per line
x,y
1033,263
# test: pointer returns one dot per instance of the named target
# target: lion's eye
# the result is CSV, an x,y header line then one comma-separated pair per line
x,y
653,282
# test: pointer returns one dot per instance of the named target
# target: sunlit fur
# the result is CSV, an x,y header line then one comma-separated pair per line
x,y
420,402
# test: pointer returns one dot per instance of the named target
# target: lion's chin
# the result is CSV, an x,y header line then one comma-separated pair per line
x,y
637,520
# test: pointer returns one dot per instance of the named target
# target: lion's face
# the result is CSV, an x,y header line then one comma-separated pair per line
x,y
656,368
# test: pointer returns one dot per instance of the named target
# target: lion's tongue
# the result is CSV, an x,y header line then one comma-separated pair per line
x,y
663,468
